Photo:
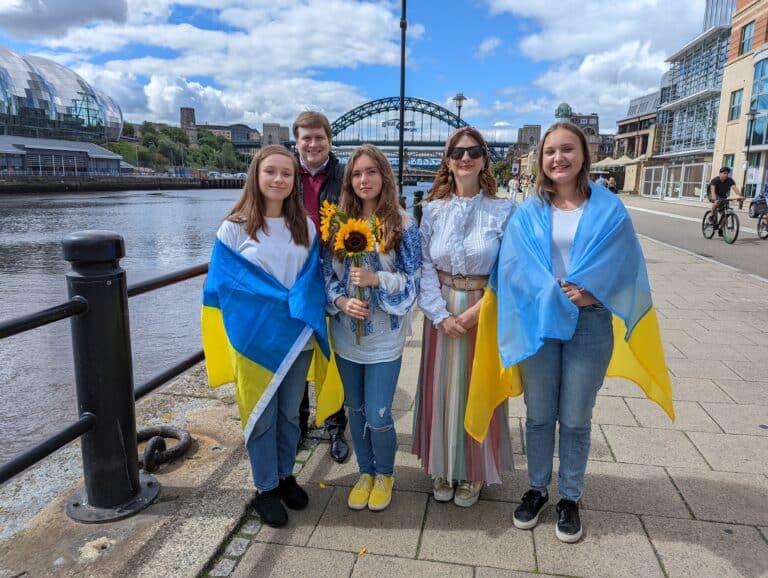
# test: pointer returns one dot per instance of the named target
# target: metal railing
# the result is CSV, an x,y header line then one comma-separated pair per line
x,y
114,486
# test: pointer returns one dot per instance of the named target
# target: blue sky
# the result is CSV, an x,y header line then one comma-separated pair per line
x,y
256,61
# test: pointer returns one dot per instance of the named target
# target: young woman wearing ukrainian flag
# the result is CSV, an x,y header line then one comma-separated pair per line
x,y
263,307
571,297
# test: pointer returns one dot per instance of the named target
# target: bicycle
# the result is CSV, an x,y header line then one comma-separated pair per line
x,y
727,224
762,226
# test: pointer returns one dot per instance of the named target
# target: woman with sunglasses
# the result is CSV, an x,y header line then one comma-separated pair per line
x,y
461,231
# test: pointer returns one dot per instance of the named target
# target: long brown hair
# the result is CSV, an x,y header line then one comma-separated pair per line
x,y
250,207
387,208
544,187
444,185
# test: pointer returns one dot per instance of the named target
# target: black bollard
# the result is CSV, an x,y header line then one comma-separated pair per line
x,y
101,344
418,198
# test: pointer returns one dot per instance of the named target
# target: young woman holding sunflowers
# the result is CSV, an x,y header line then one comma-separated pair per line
x,y
372,265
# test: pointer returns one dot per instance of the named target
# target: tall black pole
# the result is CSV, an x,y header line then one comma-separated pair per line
x,y
403,27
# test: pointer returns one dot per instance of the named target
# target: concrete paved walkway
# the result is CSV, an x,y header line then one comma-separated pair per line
x,y
661,499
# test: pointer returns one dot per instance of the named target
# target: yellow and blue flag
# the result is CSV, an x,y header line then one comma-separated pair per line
x,y
524,304
254,328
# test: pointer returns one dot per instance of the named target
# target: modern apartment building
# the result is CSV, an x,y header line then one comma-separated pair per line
x,y
741,140
689,103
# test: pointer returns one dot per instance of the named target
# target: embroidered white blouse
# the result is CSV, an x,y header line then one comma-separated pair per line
x,y
460,236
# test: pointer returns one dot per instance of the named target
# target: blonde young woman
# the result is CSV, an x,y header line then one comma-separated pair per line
x,y
461,229
369,363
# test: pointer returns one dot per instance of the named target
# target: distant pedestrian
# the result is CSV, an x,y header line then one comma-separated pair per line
x,y
611,185
514,187
461,231
259,333
321,175
369,328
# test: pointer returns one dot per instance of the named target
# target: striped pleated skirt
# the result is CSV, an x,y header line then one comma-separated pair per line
x,y
444,448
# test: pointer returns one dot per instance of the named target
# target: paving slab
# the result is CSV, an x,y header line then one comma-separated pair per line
x,y
656,447
517,435
732,453
703,549
698,389
689,416
301,523
696,350
747,370
724,497
613,545
612,410
485,572
480,535
280,560
394,532
703,368
375,566
740,419
631,488
746,392
620,387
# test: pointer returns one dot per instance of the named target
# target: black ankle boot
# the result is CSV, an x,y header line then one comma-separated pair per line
x,y
270,509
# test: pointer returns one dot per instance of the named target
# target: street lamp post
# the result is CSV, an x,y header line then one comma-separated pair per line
x,y
750,122
459,100
403,28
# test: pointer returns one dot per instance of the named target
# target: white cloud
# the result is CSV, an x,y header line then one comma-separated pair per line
x,y
36,18
488,47
603,52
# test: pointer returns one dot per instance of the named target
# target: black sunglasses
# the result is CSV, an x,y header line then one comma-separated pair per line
x,y
475,152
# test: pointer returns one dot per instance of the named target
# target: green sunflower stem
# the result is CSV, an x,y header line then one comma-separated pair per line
x,y
357,261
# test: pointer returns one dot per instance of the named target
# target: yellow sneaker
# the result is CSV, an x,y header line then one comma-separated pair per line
x,y
381,495
358,496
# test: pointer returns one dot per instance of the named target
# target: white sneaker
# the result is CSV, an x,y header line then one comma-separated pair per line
x,y
442,489
467,493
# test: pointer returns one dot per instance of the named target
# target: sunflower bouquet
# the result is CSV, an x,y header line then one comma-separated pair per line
x,y
351,239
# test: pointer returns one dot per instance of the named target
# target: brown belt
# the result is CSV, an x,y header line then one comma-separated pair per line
x,y
463,282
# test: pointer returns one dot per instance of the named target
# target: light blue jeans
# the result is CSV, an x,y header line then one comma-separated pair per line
x,y
561,383
369,389
275,437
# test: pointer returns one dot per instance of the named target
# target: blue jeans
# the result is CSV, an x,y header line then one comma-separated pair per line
x,y
275,437
561,383
369,389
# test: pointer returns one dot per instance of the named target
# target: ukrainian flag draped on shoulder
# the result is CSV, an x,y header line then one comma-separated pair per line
x,y
253,328
524,304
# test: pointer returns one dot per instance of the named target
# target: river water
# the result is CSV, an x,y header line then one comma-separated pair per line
x,y
163,230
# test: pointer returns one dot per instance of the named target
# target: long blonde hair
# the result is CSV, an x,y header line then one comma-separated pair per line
x,y
445,185
250,207
387,208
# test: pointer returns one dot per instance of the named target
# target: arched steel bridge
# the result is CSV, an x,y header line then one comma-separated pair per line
x,y
427,126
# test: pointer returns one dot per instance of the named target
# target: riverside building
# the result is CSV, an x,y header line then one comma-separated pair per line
x,y
42,99
689,102
741,141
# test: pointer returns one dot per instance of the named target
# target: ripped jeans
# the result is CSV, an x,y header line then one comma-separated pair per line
x,y
369,389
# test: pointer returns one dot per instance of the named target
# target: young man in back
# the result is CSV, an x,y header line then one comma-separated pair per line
x,y
321,177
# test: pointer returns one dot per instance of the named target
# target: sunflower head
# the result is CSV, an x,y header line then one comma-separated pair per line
x,y
354,237
328,213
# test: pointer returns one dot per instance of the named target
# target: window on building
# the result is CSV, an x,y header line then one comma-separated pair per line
x,y
747,34
728,161
734,112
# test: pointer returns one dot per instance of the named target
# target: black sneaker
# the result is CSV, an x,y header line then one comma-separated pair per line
x,y
270,509
293,494
568,528
526,515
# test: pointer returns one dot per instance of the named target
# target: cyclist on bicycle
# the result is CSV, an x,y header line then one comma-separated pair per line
x,y
719,189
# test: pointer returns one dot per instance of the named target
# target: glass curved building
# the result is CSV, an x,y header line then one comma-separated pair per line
x,y
43,99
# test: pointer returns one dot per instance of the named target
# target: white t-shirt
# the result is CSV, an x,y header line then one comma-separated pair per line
x,y
564,225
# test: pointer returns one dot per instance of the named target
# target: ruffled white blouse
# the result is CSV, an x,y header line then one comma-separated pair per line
x,y
460,236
